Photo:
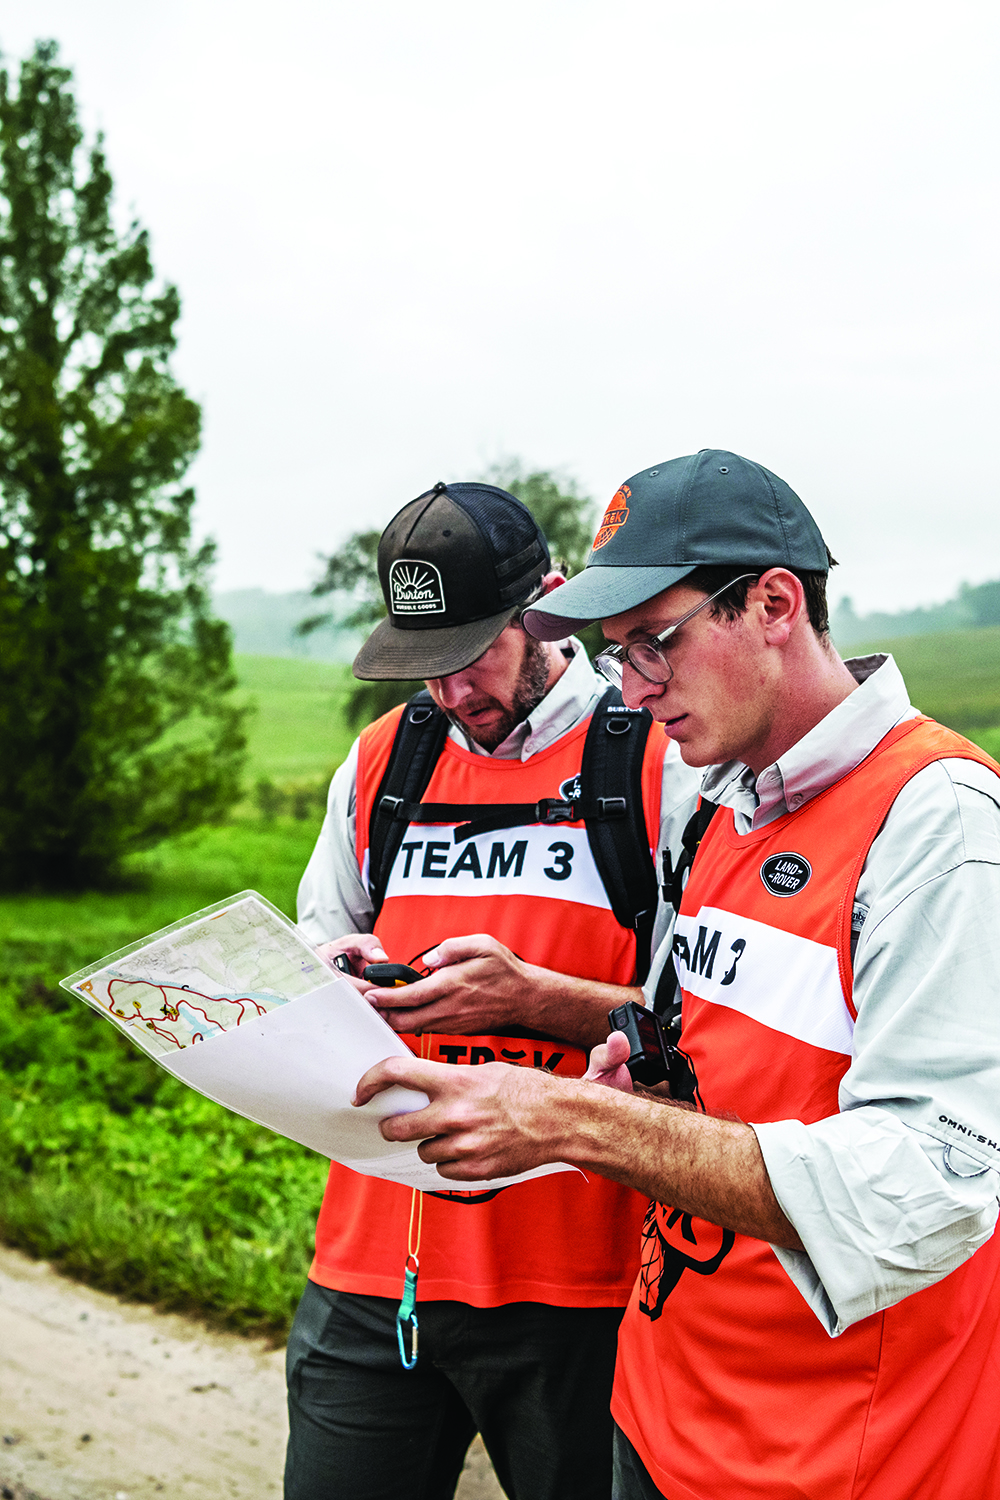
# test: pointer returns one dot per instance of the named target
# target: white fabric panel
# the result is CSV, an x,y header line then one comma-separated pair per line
x,y
550,861
787,982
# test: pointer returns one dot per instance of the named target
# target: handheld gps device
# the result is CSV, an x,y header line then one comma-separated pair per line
x,y
653,1056
648,1059
390,976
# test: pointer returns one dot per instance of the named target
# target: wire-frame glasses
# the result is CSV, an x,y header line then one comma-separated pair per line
x,y
648,657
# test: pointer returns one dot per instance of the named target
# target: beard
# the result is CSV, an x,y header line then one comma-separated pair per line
x,y
529,690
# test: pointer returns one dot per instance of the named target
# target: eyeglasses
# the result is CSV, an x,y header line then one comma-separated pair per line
x,y
648,657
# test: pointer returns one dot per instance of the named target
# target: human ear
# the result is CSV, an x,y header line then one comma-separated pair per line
x,y
780,599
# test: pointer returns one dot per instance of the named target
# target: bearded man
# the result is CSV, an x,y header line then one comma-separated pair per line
x,y
469,832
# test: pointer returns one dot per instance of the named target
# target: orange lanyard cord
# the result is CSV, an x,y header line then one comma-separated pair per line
x,y
416,1196
407,1313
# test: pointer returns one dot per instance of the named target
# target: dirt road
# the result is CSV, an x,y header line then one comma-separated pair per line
x,y
105,1400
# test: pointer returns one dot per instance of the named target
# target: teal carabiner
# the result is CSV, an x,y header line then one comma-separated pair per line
x,y
407,1314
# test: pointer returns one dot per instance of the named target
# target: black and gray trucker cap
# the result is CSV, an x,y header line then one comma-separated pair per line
x,y
707,509
454,565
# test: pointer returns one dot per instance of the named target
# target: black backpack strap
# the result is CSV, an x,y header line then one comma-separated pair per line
x,y
674,880
610,776
419,740
667,997
612,772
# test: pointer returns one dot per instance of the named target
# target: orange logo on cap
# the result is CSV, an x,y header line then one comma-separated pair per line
x,y
616,515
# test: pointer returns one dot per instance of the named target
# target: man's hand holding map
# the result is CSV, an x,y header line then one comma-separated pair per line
x,y
236,1003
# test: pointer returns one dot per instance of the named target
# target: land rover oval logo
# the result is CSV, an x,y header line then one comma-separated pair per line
x,y
785,874
415,588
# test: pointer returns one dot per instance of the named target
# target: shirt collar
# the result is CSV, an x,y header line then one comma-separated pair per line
x,y
569,700
837,744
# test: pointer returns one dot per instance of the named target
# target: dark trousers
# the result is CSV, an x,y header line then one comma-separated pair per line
x,y
631,1481
534,1380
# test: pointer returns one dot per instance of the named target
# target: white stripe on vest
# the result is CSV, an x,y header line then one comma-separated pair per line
x,y
533,861
784,981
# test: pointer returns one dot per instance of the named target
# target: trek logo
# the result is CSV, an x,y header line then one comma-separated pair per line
x,y
614,517
786,874
462,1052
672,1243
415,588
456,1053
701,958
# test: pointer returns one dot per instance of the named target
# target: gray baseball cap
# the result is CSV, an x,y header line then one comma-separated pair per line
x,y
707,509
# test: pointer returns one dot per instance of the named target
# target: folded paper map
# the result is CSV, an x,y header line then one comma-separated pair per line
x,y
236,1003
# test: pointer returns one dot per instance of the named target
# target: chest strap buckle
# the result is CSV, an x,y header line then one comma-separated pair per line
x,y
556,810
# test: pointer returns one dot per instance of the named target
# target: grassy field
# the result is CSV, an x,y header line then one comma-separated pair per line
x,y
108,1166
297,729
120,1174
954,677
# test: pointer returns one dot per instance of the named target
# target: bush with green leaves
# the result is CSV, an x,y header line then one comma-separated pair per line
x,y
302,799
110,1167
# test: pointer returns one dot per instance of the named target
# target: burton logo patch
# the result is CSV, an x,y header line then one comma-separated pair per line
x,y
786,874
415,588
614,517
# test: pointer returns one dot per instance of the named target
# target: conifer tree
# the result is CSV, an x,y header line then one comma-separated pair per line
x,y
117,725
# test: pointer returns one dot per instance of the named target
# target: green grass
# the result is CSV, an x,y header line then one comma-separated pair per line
x,y
954,677
110,1167
298,729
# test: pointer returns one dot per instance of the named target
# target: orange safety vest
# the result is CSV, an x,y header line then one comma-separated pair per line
x,y
727,1384
565,1240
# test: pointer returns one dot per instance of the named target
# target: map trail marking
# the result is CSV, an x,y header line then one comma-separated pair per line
x,y
200,977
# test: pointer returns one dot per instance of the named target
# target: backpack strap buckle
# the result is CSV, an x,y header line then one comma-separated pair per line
x,y
556,810
611,807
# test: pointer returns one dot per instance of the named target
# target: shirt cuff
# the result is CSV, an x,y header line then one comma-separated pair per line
x,y
879,1211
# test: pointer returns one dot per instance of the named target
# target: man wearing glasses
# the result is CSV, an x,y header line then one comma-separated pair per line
x,y
520,1291
818,1308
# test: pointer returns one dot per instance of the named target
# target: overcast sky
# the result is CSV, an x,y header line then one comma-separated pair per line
x,y
412,239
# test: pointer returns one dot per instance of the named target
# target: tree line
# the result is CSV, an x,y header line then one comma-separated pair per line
x,y
973,607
